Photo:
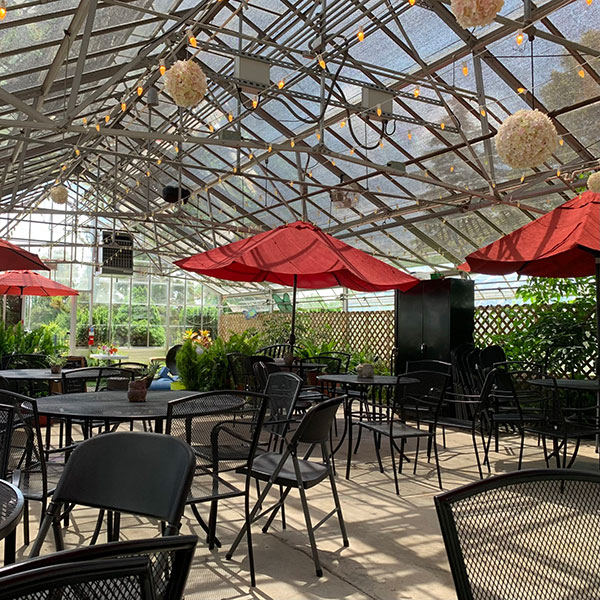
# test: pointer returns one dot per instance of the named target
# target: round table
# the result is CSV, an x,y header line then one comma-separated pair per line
x,y
113,405
351,380
32,374
109,357
580,385
11,510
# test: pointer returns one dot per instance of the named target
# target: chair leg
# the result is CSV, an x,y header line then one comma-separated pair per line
x,y
311,533
377,440
417,456
349,453
50,519
521,448
474,439
212,524
402,446
394,465
437,462
338,507
26,522
248,524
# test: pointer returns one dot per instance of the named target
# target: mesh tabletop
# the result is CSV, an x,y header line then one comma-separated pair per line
x,y
27,374
11,508
114,405
582,385
351,379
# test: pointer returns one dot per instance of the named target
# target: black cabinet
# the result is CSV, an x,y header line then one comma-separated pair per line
x,y
432,318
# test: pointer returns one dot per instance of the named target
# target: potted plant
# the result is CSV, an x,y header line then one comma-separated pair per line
x,y
56,363
151,373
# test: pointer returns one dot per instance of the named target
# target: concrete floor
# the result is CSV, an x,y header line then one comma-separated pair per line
x,y
396,550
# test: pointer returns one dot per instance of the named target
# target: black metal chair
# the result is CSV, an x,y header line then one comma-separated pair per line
x,y
566,419
278,350
242,374
146,474
221,439
115,579
170,559
25,361
7,412
491,355
528,535
76,381
29,466
139,369
439,366
420,402
344,358
289,471
282,391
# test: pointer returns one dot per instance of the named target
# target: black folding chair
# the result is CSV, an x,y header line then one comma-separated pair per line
x,y
146,474
289,471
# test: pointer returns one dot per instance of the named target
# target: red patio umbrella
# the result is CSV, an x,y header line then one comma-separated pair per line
x,y
27,283
13,257
300,255
563,243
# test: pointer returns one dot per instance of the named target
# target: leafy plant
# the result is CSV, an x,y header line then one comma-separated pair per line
x,y
56,360
15,340
209,370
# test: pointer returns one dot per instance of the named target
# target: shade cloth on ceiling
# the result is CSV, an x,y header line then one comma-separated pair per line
x,y
13,257
28,283
299,249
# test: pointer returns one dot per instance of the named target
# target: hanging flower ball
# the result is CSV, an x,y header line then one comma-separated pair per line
x,y
526,139
593,182
185,82
59,194
475,13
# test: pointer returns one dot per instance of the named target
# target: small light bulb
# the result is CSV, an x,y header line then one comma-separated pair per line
x,y
137,183
520,37
558,172
381,143
191,38
77,151
211,128
269,148
230,117
234,170
342,123
162,68
176,148
452,169
250,156
581,73
333,162
159,161
442,125
482,112
292,142
310,174
409,134
97,126
318,136
255,102
281,84
561,142
417,92
140,90
351,150
321,62
148,173
465,69
520,90
379,111
360,35
84,121
589,2
522,178
123,106
64,167
2,9
106,118
412,2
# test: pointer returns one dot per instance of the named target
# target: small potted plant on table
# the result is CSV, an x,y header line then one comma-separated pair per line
x,y
56,363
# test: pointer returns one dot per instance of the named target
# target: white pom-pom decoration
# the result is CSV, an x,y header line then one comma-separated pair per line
x,y
59,194
475,13
526,139
185,82
593,182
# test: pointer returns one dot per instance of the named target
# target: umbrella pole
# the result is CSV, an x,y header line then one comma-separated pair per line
x,y
293,329
597,346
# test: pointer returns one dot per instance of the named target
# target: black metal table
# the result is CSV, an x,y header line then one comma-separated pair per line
x,y
113,406
353,381
31,374
11,510
580,385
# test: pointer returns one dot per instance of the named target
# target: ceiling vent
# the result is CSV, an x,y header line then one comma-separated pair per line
x,y
117,253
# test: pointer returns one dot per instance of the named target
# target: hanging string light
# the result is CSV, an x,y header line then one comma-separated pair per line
x,y
581,73
465,69
2,9
360,34
379,110
321,62
409,135
191,38
162,67
417,92
106,119
255,102
140,90
281,84
520,37
123,106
